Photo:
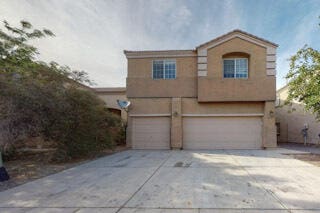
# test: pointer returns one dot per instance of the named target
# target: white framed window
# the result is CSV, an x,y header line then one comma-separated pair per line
x,y
163,69
235,68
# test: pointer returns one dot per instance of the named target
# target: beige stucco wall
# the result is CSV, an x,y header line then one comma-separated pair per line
x,y
257,57
269,134
217,89
176,108
258,86
150,105
142,67
191,106
141,84
110,98
213,87
292,119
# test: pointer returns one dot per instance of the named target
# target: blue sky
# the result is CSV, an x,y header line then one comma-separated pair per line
x,y
92,34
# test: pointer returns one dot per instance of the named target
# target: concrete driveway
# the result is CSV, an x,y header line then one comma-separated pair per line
x,y
175,181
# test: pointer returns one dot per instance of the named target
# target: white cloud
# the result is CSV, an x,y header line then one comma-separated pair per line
x,y
220,17
180,18
91,35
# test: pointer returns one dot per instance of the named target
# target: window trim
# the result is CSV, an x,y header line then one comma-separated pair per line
x,y
164,76
235,67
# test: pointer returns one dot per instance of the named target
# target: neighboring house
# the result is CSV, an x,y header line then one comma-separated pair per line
x,y
110,96
218,96
291,119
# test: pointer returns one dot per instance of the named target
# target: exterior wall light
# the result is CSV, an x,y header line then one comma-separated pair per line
x,y
271,114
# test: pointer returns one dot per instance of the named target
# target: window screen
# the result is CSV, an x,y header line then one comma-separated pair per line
x,y
158,69
164,69
235,68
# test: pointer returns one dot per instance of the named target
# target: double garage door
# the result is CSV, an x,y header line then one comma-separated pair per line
x,y
199,133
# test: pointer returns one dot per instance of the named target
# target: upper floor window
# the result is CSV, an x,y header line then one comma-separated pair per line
x,y
164,69
235,68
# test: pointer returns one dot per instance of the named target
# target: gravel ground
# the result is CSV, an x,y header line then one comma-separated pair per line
x,y
23,171
311,152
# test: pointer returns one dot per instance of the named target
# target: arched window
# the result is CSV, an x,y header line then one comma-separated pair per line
x,y
235,65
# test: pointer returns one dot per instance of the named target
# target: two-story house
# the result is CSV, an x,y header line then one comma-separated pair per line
x,y
219,95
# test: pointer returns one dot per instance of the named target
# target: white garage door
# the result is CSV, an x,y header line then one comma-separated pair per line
x,y
151,133
222,133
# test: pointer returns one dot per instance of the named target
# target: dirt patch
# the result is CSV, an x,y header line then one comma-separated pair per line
x,y
309,157
25,170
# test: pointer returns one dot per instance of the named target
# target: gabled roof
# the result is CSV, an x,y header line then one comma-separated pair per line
x,y
193,53
237,31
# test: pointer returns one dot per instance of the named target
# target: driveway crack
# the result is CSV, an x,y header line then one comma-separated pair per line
x,y
270,192
130,198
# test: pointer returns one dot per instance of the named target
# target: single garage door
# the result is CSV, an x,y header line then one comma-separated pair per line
x,y
222,133
151,133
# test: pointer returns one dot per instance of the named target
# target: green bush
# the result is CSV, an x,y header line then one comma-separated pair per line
x,y
77,120
45,101
86,126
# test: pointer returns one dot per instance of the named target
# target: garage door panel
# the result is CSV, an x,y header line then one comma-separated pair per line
x,y
151,133
222,133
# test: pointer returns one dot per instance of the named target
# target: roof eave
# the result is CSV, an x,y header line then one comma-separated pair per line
x,y
241,32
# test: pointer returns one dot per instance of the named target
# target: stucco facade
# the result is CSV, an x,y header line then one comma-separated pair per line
x,y
257,87
200,91
110,97
142,85
292,118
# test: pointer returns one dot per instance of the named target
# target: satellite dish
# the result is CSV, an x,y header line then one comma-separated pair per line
x,y
124,104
